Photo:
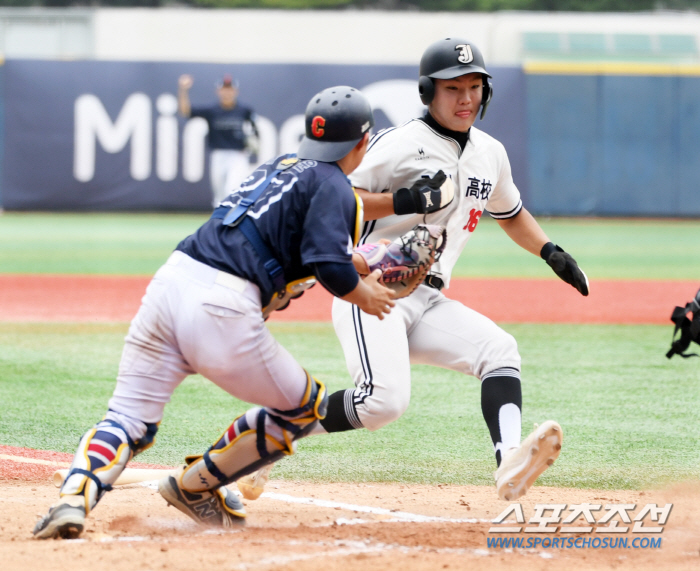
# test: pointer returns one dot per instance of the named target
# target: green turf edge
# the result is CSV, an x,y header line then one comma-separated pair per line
x,y
137,244
629,415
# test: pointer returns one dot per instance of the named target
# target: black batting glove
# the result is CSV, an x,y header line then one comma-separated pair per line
x,y
426,195
565,267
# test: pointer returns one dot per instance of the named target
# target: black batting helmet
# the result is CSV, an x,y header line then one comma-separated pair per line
x,y
336,120
450,58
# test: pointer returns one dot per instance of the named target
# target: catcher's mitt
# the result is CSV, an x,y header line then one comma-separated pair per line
x,y
406,261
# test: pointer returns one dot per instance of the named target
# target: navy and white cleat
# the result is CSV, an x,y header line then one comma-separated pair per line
x,y
218,508
64,520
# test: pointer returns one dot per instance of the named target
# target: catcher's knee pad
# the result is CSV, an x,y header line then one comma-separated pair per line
x,y
101,457
255,439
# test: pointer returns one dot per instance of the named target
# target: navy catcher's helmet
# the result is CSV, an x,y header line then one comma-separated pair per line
x,y
336,120
450,58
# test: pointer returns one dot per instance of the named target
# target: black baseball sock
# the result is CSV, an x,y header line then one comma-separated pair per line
x,y
341,415
501,403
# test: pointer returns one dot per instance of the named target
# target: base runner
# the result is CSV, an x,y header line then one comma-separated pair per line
x,y
401,183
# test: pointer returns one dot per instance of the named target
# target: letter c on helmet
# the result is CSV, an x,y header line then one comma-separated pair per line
x,y
317,124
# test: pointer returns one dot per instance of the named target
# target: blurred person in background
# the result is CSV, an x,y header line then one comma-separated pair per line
x,y
232,138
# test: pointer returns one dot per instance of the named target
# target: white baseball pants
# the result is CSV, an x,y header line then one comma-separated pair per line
x,y
195,319
424,328
227,170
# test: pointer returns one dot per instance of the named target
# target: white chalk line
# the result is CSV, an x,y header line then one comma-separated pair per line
x,y
395,516
55,463
24,460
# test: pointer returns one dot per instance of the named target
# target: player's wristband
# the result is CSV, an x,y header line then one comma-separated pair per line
x,y
548,249
405,202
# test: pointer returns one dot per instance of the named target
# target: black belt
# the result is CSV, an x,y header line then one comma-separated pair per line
x,y
434,281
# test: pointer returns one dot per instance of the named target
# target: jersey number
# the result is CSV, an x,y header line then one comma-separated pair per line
x,y
474,216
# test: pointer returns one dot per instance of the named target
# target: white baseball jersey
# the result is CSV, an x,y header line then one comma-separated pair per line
x,y
426,327
397,157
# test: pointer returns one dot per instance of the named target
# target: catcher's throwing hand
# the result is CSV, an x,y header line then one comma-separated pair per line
x,y
565,267
426,195
371,296
405,262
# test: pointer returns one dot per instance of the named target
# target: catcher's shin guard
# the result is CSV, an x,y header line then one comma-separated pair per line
x,y
255,439
101,457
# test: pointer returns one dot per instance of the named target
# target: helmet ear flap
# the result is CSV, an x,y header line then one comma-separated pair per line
x,y
426,89
486,94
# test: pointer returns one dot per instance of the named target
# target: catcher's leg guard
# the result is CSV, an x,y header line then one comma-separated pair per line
x,y
255,439
101,457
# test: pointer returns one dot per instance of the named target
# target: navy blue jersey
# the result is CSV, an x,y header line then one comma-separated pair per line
x,y
226,126
308,214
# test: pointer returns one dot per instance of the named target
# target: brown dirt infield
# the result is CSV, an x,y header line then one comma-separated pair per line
x,y
134,530
116,298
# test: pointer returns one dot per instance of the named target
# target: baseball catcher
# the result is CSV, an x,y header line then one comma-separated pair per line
x,y
295,220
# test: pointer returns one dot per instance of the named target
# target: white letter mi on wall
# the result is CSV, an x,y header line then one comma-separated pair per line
x,y
134,125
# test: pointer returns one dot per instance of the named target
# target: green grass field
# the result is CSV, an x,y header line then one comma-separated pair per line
x,y
137,244
630,416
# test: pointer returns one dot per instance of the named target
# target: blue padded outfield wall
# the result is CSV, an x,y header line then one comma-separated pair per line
x,y
614,145
101,136
105,135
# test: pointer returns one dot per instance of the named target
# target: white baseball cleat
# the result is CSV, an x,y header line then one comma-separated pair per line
x,y
521,466
252,485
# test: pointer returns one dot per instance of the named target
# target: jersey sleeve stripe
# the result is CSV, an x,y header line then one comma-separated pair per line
x,y
509,214
378,136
